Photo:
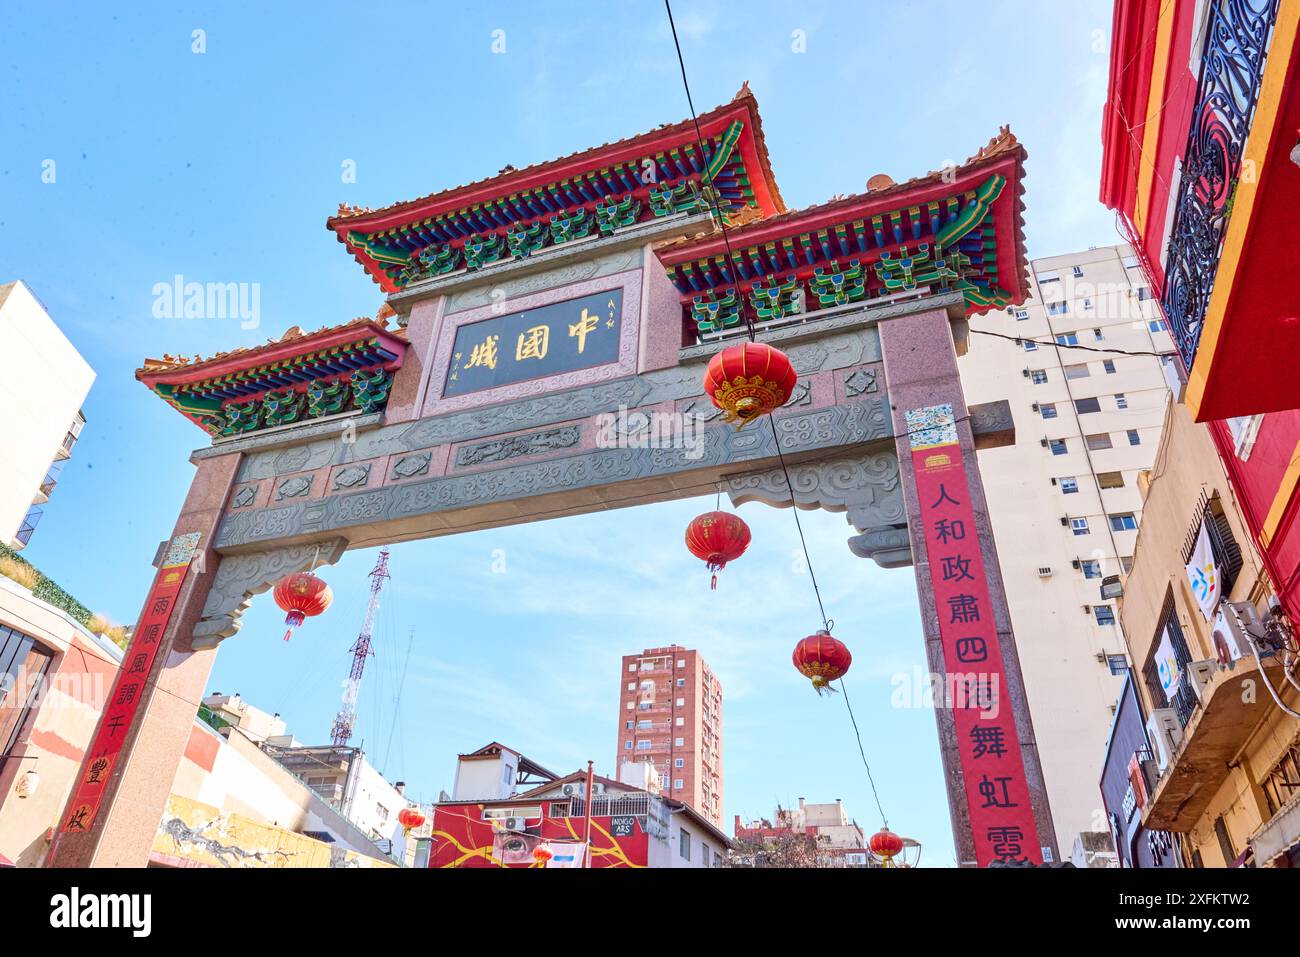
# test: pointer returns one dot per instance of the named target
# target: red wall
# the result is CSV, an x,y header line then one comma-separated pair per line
x,y
461,838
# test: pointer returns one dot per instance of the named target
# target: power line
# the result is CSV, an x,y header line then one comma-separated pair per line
x,y
1065,345
712,195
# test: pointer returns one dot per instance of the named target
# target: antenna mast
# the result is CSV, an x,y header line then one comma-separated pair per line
x,y
360,649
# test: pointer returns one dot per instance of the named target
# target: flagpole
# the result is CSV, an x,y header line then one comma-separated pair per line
x,y
586,837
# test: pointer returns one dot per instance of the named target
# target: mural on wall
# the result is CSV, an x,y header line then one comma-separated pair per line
x,y
462,838
198,835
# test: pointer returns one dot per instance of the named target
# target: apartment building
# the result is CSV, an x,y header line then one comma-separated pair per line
x,y
43,382
1084,363
670,715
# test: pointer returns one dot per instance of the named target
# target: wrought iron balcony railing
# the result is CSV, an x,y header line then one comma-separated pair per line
x,y
1237,35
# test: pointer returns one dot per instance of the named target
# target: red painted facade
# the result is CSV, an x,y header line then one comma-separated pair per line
x,y
462,838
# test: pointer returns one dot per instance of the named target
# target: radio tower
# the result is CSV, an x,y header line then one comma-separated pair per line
x,y
347,715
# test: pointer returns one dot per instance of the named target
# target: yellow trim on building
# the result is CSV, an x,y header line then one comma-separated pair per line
x,y
1282,498
1151,125
1258,143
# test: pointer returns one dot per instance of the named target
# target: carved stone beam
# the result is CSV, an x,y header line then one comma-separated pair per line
x,y
865,486
240,577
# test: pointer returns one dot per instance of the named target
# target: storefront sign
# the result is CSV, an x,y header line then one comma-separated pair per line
x,y
997,794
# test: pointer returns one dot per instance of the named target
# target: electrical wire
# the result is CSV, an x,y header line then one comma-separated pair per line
x,y
713,196
1063,345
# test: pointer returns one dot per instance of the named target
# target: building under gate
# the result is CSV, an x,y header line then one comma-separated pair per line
x,y
552,326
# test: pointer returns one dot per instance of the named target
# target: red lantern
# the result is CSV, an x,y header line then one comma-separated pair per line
x,y
717,538
303,596
749,380
886,845
410,818
542,854
822,658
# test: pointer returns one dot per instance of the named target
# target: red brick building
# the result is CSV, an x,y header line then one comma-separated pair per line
x,y
670,714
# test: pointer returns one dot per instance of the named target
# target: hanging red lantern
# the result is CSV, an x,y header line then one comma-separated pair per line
x,y
303,596
886,845
822,658
717,538
410,818
749,380
542,854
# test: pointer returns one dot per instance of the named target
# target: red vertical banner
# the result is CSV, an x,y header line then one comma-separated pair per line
x,y
128,688
997,793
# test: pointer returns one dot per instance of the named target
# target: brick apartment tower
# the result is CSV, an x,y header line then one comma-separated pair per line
x,y
670,713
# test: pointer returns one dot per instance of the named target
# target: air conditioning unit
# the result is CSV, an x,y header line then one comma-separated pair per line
x,y
1201,673
1034,406
518,824
1044,571
597,788
1065,520
1043,442
1232,631
1025,372
1165,734
574,790
1075,564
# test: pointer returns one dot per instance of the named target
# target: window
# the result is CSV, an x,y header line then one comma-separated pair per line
x,y
678,742
644,724
1144,293
1084,406
1098,336
681,682
629,725
1126,563
631,686
1109,366
684,844
1058,446
1052,276
1022,314
1067,339
679,762
1129,262
681,663
1244,428
1058,308
1077,371
1123,522
1030,345
1104,614
627,745
681,702
1098,441
663,780
677,784
1157,325
631,667
644,744
1090,568
1078,272
1038,376
1110,479
1087,305
1069,485
1121,400
1047,410
629,706
704,855
1133,437
1079,526
680,722
1225,842
1117,664
644,705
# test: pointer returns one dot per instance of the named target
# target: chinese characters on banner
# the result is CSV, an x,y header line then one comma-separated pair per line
x,y
997,794
559,337
128,688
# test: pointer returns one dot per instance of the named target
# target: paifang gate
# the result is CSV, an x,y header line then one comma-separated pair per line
x,y
540,354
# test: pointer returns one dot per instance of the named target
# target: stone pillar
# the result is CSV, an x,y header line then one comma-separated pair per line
x,y
921,371
138,786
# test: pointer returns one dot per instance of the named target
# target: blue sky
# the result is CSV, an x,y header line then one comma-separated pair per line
x,y
223,166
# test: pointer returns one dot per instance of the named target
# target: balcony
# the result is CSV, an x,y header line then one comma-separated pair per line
x,y
1232,704
1229,294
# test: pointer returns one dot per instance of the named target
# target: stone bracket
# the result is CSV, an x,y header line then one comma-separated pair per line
x,y
240,577
865,486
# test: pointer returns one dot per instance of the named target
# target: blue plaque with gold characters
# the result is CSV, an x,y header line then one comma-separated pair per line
x,y
560,337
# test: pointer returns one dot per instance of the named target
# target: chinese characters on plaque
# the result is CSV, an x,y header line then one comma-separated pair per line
x,y
559,337
1001,816
124,700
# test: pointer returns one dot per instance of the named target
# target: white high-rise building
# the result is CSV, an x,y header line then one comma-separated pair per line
x,y
1065,499
43,382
